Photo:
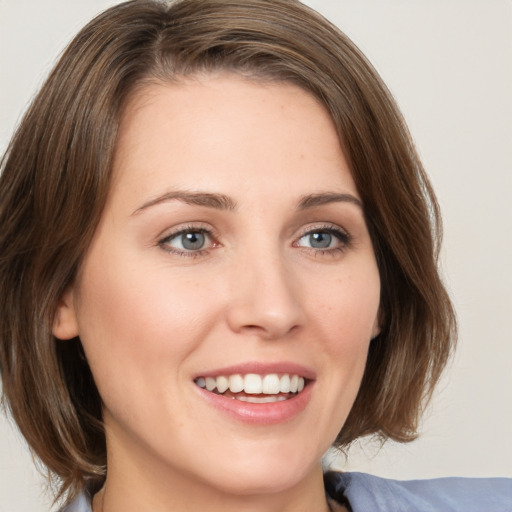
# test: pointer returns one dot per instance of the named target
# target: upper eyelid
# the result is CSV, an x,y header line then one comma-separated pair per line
x,y
327,226
176,234
211,230
184,228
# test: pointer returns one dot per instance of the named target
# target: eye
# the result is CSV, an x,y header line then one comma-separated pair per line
x,y
324,239
189,240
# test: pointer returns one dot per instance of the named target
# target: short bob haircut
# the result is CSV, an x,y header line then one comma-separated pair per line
x,y
56,177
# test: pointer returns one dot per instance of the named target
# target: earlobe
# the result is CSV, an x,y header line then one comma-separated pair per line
x,y
376,326
65,325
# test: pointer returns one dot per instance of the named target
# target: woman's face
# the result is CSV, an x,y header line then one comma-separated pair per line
x,y
232,251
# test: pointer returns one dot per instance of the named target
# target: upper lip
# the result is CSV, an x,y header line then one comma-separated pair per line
x,y
261,368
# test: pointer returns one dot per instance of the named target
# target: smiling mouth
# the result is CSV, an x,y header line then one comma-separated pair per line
x,y
255,388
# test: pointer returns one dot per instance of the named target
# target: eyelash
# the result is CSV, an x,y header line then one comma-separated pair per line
x,y
342,236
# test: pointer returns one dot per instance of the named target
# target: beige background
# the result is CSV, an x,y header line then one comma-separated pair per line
x,y
449,64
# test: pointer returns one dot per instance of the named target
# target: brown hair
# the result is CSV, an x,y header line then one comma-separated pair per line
x,y
55,179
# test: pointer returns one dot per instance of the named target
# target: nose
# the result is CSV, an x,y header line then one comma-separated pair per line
x,y
265,301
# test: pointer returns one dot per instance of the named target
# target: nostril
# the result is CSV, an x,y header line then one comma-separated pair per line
x,y
270,311
268,332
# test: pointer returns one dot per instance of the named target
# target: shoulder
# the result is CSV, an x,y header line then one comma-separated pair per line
x,y
366,492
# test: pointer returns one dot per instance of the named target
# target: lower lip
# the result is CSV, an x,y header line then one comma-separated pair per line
x,y
260,414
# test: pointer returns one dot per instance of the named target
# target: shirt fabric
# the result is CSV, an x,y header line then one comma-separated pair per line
x,y
361,492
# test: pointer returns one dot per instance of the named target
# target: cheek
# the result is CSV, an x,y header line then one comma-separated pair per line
x,y
347,309
139,325
346,315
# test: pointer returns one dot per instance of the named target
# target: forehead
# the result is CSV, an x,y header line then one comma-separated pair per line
x,y
228,131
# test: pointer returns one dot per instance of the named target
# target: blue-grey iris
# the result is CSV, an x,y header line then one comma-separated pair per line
x,y
193,241
320,240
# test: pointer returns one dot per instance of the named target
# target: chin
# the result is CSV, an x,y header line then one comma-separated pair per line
x,y
260,482
264,470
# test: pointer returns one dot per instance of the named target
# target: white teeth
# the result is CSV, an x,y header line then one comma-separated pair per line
x,y
236,383
222,384
261,400
253,384
271,384
285,384
211,384
294,382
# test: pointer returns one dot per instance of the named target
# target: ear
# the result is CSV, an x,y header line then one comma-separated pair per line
x,y
377,325
65,324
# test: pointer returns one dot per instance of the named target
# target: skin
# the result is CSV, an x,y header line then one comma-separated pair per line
x,y
152,315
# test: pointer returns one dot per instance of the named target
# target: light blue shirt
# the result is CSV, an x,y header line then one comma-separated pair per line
x,y
367,493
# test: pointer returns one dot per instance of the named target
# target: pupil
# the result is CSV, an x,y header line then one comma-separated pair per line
x,y
320,240
193,241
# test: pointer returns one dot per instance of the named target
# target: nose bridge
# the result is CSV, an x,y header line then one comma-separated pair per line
x,y
264,298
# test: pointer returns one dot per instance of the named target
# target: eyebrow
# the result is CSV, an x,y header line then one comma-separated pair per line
x,y
312,200
224,202
206,199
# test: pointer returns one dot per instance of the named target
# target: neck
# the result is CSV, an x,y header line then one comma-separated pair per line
x,y
130,491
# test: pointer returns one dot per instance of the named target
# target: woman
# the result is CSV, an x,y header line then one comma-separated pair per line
x,y
221,242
